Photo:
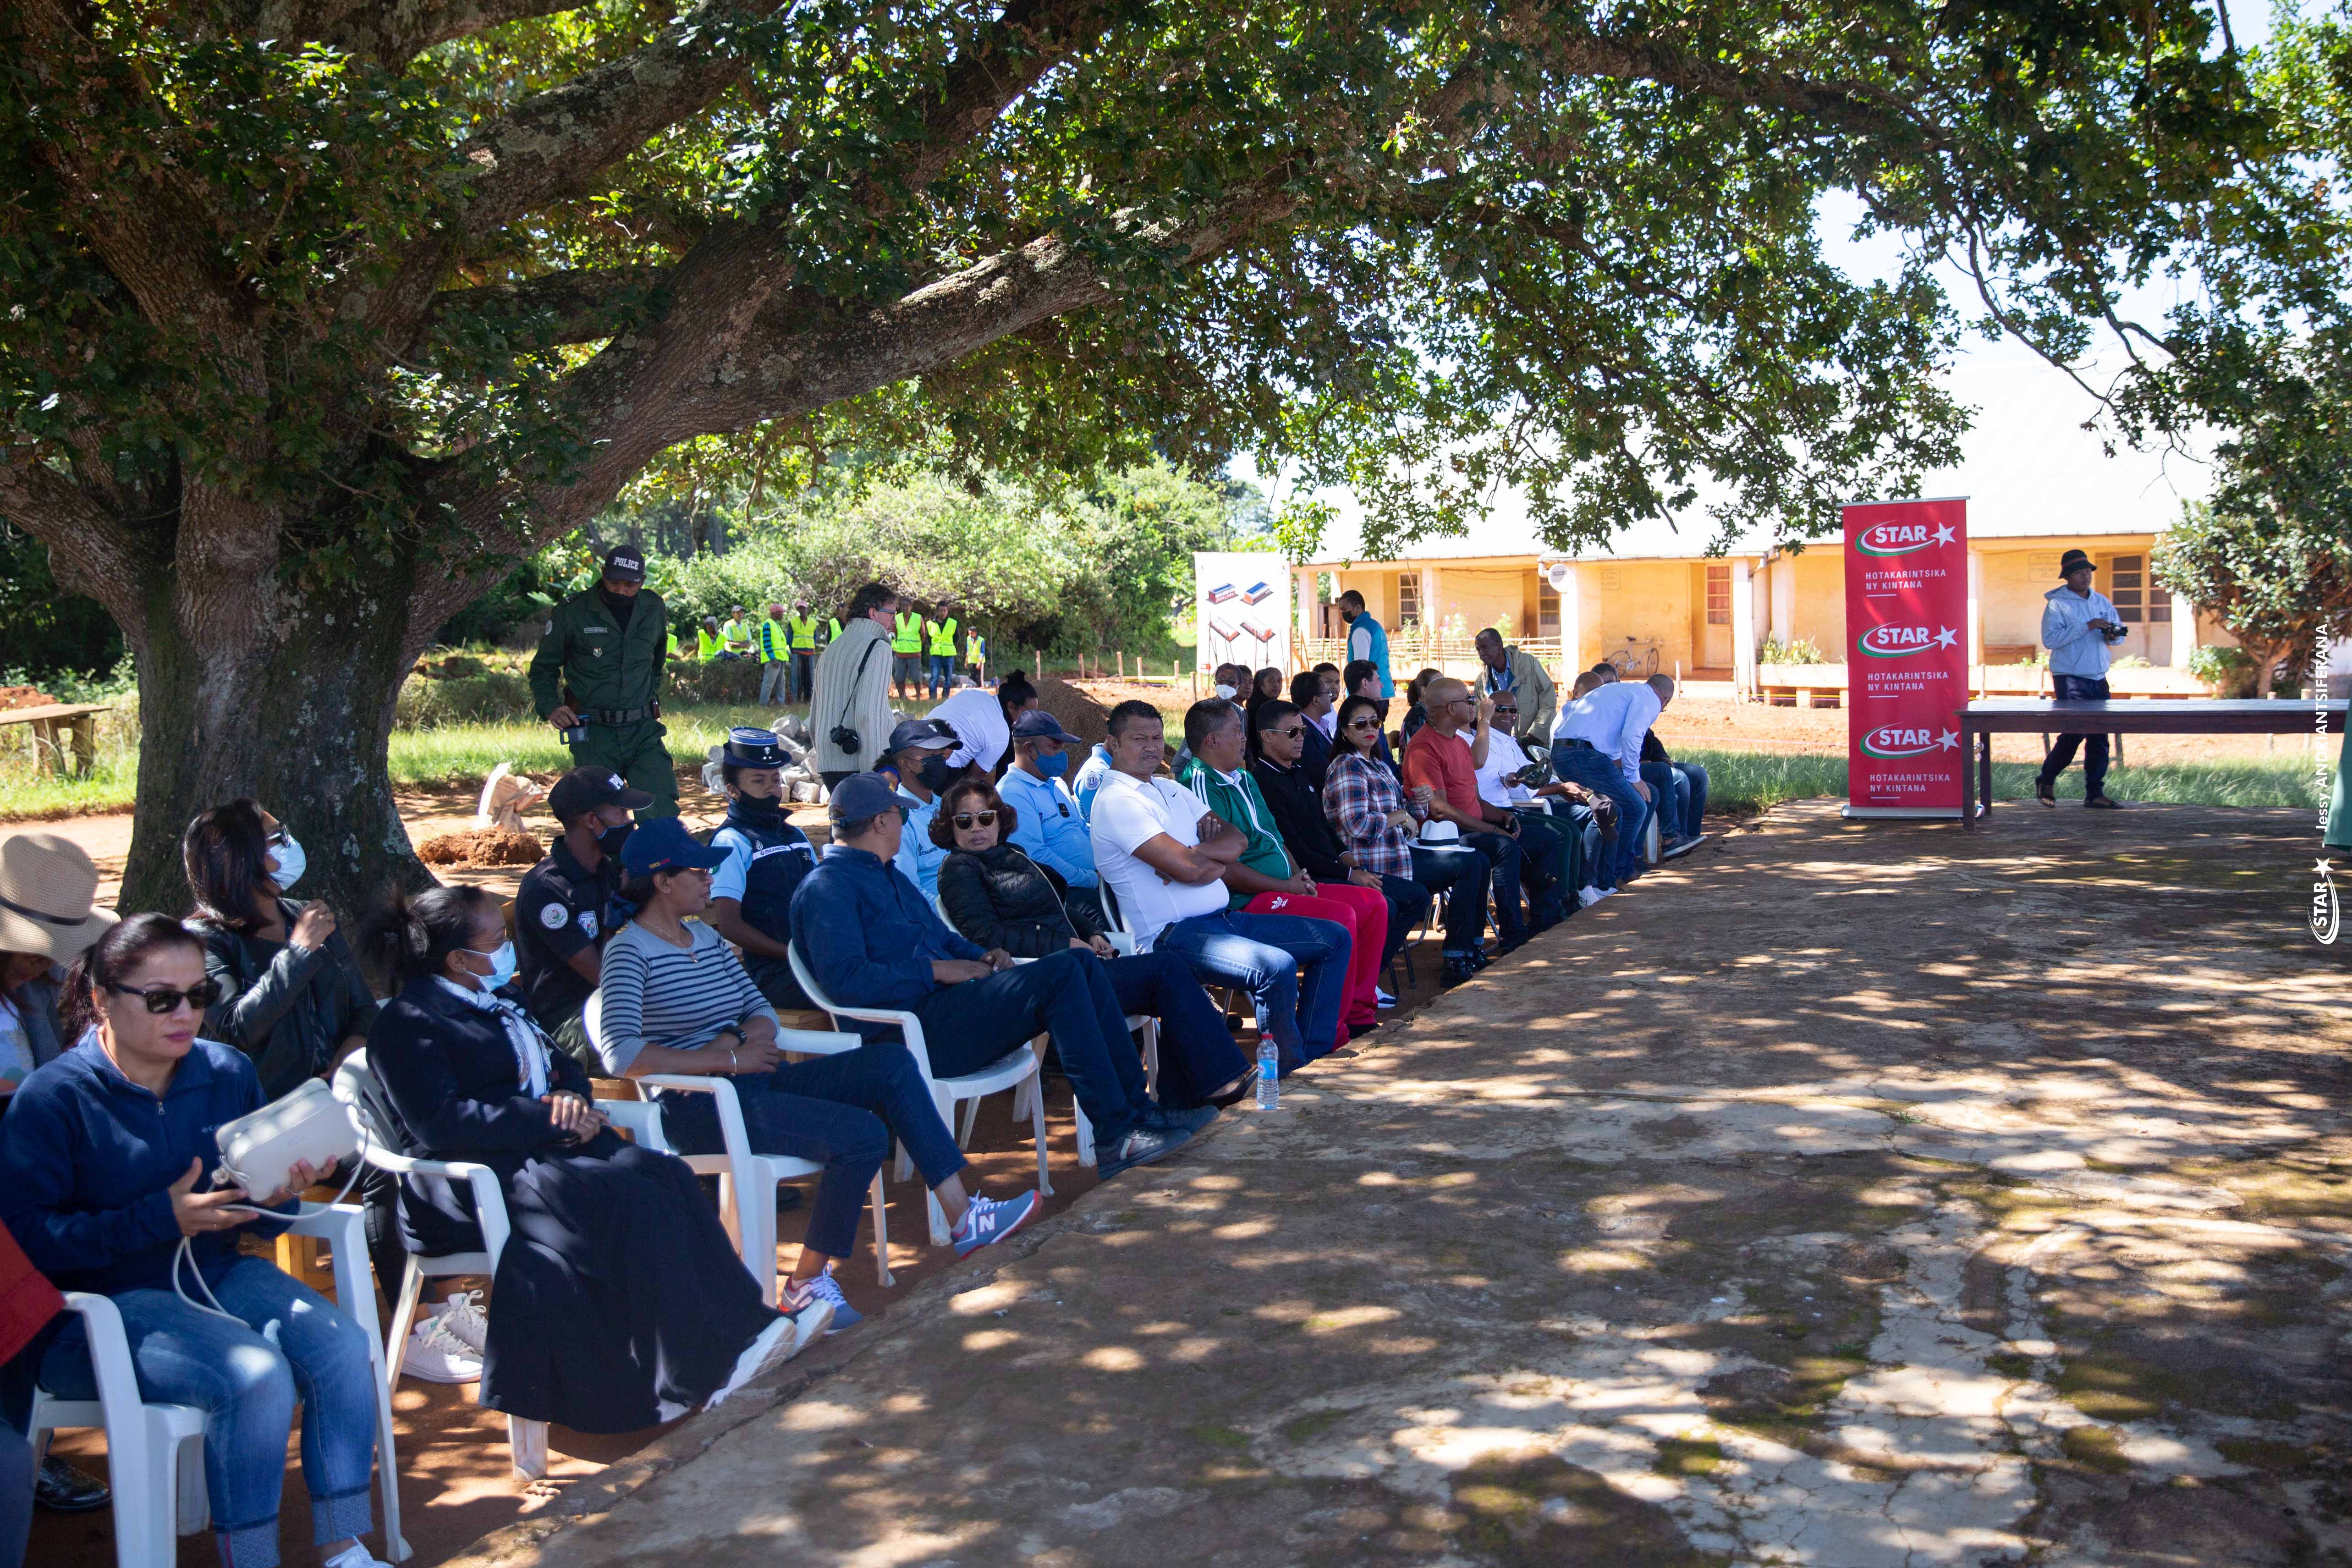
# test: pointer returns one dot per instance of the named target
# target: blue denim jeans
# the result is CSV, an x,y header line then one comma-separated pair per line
x,y
942,674
1294,970
1197,1054
1461,873
1068,996
839,1111
1583,765
1665,799
2079,689
16,1496
246,1377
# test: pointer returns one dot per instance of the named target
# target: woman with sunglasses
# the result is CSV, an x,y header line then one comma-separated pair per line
x,y
1374,817
674,1000
108,1168
292,996
998,897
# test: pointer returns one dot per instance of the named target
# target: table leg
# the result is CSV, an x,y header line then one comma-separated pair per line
x,y
1968,777
48,756
85,745
1984,772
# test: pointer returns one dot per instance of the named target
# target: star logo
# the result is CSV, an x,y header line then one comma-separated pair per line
x,y
1946,637
1943,533
1949,741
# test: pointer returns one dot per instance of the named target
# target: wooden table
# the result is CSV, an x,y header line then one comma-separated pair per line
x,y
52,723
1981,721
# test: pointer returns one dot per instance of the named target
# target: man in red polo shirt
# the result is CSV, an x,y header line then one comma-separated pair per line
x,y
1442,758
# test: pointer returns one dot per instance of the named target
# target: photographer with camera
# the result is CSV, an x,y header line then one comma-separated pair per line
x,y
850,712
2077,627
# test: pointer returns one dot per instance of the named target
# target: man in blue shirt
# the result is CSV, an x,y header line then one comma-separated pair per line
x,y
917,762
1367,639
2078,621
1053,830
1597,744
871,941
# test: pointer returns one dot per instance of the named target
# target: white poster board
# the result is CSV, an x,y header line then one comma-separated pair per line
x,y
1241,605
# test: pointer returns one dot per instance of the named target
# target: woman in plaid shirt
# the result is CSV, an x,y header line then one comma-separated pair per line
x,y
1372,815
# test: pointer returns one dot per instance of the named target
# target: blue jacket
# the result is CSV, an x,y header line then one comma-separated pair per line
x,y
868,935
2074,648
1053,830
90,1157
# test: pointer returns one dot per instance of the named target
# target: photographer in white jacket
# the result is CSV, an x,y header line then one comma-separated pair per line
x,y
2077,624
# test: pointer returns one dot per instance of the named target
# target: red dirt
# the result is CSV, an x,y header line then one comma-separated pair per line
x,y
25,697
482,846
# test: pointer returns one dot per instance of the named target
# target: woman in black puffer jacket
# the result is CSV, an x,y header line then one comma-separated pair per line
x,y
998,897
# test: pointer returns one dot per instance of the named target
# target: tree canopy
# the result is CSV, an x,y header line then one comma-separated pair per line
x,y
323,313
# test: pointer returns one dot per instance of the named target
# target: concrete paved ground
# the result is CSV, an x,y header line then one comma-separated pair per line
x,y
1844,1195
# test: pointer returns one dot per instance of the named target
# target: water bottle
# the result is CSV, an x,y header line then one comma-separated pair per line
x,y
1269,1072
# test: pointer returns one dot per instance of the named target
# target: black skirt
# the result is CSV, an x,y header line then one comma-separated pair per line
x,y
617,1289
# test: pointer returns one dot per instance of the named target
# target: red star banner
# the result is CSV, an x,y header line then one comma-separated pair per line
x,y
1906,657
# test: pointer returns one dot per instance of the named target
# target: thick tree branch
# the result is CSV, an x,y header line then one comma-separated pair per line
x,y
389,32
559,308
95,553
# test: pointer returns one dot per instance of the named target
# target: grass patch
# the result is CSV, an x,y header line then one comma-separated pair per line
x,y
2097,1448
1220,1436
1758,781
1688,1456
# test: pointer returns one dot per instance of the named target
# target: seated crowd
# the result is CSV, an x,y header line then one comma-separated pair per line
x,y
990,882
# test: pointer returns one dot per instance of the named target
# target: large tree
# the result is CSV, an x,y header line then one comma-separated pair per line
x,y
317,314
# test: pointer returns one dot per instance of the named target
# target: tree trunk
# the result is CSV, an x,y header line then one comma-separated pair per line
x,y
300,721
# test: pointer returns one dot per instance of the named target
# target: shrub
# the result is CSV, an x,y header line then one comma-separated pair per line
x,y
428,704
727,680
2231,671
1782,651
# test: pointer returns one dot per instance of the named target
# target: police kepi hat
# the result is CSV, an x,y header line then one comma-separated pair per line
x,y
665,845
625,564
1037,724
861,797
749,748
583,790
922,734
2072,559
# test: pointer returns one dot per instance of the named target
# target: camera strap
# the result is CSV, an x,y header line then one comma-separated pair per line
x,y
842,722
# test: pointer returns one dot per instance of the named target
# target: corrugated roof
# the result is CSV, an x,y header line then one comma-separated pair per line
x,y
2027,467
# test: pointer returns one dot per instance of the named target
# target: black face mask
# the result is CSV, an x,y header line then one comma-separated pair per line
x,y
621,605
935,774
612,839
758,808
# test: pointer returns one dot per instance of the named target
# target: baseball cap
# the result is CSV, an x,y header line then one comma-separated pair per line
x,y
625,564
583,790
926,734
1037,724
751,748
861,796
665,845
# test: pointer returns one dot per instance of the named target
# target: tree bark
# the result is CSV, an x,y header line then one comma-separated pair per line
x,y
301,722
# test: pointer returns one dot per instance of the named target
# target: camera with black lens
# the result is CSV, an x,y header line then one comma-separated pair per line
x,y
2114,634
847,739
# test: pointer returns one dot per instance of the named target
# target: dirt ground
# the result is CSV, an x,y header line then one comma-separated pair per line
x,y
1842,1194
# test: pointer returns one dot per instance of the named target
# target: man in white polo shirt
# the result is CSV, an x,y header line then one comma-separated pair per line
x,y
1598,743
1162,859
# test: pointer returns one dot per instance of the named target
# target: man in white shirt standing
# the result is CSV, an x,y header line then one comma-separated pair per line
x,y
1552,835
1597,744
1163,859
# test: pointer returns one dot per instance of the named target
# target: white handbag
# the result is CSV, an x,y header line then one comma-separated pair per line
x,y
309,1124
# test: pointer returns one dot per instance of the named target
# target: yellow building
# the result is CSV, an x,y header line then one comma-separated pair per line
x,y
2037,485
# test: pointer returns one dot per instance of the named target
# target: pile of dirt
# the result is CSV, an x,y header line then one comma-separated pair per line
x,y
482,846
24,697
1073,710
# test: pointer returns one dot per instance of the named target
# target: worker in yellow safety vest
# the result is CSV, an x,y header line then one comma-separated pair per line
x,y
708,644
975,654
775,658
940,636
803,629
907,652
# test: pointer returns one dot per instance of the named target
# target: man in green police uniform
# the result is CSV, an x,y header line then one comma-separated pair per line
x,y
598,672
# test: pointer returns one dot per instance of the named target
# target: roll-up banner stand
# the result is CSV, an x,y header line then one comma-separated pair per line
x,y
1906,623
1241,603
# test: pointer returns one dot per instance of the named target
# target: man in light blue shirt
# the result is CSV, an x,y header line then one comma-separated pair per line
x,y
1051,829
1367,639
1598,743
1089,782
918,757
2078,621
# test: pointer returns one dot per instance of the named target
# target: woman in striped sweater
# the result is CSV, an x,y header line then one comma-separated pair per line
x,y
674,1000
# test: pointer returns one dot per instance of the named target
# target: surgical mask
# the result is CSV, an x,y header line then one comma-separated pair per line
x,y
612,839
1054,766
936,774
290,860
1226,693
502,964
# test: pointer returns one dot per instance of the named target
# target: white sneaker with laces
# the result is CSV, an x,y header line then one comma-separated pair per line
x,y
463,1312
1587,897
437,1354
356,1555
778,1342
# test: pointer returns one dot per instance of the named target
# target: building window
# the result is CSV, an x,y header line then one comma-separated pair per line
x,y
1546,609
1718,593
1408,598
2128,586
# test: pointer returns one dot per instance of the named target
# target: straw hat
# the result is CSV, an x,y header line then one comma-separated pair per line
x,y
48,888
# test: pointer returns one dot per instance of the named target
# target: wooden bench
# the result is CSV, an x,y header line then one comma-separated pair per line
x,y
54,723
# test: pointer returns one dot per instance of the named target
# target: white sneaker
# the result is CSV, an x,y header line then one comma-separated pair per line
x,y
1382,998
463,1312
778,1343
355,1555
1587,897
435,1354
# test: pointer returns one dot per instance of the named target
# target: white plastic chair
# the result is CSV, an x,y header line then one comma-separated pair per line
x,y
1143,1023
1010,1070
525,1440
747,1181
154,1454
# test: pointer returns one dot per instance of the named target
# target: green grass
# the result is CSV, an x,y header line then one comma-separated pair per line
x,y
1756,781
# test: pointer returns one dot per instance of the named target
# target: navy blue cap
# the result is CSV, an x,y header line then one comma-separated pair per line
x,y
1037,724
861,796
751,748
625,564
665,845
928,734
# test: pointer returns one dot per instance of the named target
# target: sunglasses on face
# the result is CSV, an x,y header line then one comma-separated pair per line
x,y
1363,723
974,819
1293,733
162,999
